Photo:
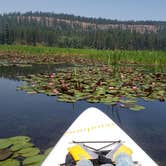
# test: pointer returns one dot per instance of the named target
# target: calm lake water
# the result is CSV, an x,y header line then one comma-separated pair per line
x,y
44,119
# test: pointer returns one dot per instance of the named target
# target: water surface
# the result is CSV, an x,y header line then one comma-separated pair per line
x,y
44,119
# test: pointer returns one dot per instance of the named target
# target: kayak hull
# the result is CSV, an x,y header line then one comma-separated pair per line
x,y
93,125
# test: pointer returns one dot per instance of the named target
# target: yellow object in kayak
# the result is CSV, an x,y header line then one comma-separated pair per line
x,y
122,149
78,153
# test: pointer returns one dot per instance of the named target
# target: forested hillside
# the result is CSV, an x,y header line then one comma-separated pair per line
x,y
63,30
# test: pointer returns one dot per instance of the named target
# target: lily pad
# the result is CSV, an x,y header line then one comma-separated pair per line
x,y
128,101
10,162
5,154
34,160
108,100
91,100
20,139
5,143
28,152
137,108
147,99
21,145
35,164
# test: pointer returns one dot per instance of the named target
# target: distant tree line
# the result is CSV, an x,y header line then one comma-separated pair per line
x,y
17,28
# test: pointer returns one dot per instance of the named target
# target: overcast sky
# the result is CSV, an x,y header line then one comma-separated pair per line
x,y
113,9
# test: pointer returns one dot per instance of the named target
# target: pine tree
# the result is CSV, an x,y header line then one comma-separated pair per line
x,y
6,37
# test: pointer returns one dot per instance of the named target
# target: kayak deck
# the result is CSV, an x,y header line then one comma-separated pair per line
x,y
92,127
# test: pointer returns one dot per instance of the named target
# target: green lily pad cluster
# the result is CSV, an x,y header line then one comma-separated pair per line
x,y
17,151
99,85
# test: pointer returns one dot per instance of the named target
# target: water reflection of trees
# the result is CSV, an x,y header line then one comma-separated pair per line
x,y
115,114
12,73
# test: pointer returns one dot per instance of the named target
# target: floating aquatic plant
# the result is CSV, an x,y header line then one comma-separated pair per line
x,y
19,149
5,143
137,107
28,152
10,162
34,160
5,154
101,84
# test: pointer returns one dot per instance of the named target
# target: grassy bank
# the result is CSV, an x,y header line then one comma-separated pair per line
x,y
108,56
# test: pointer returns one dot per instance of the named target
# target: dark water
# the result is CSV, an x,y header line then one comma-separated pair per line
x,y
44,119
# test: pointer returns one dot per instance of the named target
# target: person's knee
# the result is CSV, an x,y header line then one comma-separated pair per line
x,y
123,160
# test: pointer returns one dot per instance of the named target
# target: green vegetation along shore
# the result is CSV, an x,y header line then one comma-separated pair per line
x,y
20,52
